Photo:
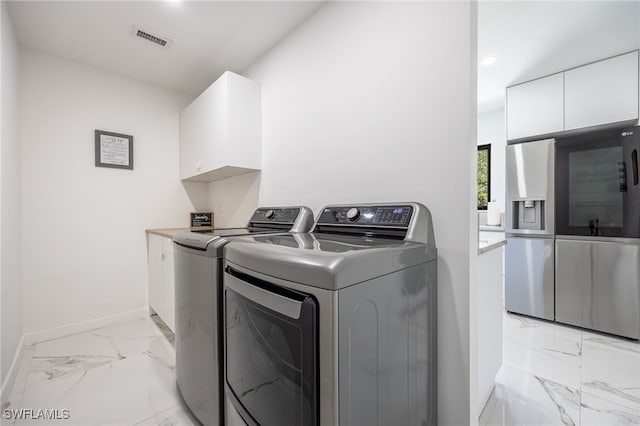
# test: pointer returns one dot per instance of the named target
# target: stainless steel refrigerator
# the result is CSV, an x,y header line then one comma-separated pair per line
x,y
529,253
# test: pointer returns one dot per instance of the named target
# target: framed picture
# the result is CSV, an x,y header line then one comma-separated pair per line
x,y
114,150
201,219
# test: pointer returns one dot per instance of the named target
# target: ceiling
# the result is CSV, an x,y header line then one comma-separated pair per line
x,y
529,38
208,37
532,39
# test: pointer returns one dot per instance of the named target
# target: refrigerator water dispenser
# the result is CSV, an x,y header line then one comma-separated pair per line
x,y
529,214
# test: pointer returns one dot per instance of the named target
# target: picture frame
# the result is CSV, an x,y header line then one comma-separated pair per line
x,y
201,219
114,150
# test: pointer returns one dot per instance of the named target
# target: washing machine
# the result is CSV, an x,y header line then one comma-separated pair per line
x,y
337,326
198,283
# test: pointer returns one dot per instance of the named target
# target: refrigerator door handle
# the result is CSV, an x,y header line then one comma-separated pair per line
x,y
634,162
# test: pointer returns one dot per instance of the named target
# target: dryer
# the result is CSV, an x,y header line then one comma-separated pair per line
x,y
337,326
198,282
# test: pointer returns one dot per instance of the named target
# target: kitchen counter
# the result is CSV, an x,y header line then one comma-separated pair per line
x,y
489,240
171,232
491,228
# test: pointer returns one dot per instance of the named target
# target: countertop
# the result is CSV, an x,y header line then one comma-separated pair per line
x,y
492,228
489,240
171,232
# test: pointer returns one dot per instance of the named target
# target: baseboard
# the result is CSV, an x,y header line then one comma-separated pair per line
x,y
82,326
8,382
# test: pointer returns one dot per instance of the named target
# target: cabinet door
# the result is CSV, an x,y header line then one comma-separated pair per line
x,y
156,271
535,108
243,121
169,315
603,92
203,131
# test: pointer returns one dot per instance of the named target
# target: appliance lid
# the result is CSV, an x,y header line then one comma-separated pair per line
x,y
201,240
325,260
326,242
263,220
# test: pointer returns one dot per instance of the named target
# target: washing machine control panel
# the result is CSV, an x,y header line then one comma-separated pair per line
x,y
271,215
367,215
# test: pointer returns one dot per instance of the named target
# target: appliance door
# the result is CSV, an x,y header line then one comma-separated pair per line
x,y
530,178
597,188
598,284
271,352
198,333
529,281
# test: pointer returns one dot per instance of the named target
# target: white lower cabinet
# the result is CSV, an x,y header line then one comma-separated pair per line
x,y
161,280
489,322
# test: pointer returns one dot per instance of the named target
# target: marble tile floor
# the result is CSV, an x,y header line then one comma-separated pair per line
x,y
559,375
122,374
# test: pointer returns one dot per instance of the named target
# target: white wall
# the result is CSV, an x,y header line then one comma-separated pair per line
x,y
374,102
10,253
492,129
84,243
234,199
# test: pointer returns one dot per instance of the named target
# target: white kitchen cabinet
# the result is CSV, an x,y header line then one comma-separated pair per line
x,y
535,108
161,280
601,93
490,311
220,131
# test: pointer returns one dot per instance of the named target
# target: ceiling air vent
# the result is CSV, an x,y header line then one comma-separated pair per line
x,y
160,41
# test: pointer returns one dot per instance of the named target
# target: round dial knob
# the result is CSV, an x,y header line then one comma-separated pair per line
x,y
270,214
353,214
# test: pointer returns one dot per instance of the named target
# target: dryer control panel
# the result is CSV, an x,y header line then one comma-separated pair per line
x,y
288,219
278,215
392,216
408,221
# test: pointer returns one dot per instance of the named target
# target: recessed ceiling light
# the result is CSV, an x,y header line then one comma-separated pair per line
x,y
489,60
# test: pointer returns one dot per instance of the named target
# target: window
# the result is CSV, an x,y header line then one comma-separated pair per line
x,y
484,176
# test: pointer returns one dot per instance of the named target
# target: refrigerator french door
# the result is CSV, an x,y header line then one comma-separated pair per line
x,y
598,231
529,253
598,284
597,184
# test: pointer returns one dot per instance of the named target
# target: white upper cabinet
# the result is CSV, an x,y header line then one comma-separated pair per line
x,y
535,108
602,92
220,131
